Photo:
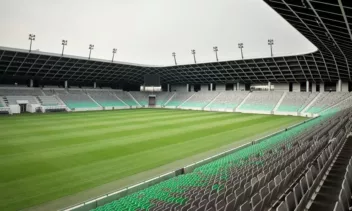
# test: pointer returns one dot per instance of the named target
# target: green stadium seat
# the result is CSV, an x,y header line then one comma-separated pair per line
x,y
173,190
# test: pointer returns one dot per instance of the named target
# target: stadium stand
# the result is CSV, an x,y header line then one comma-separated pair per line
x,y
296,101
12,100
141,97
49,92
179,98
48,101
228,100
125,97
163,97
279,173
200,99
106,98
77,99
326,100
60,91
336,187
20,92
262,101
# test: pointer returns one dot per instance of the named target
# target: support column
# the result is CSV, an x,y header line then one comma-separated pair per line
x,y
314,87
168,87
307,86
339,85
95,85
31,83
269,86
211,87
322,87
187,87
238,86
66,84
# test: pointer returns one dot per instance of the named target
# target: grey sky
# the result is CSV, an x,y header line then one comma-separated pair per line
x,y
148,31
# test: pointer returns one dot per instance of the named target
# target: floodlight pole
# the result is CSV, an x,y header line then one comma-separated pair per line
x,y
194,56
215,48
31,38
271,43
91,47
64,43
113,54
174,55
240,46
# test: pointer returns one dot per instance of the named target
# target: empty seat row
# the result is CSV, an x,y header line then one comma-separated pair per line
x,y
326,100
261,101
48,101
257,177
106,98
20,92
228,100
296,101
200,99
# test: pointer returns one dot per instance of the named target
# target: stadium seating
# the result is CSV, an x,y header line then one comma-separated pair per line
x,y
179,98
12,100
125,97
228,100
163,97
76,99
261,101
48,101
200,99
337,184
141,97
278,173
296,101
106,98
20,92
326,100
49,92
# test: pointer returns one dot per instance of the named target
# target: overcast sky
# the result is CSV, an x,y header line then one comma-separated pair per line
x,y
148,31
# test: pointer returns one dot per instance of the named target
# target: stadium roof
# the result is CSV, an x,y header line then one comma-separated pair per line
x,y
14,62
325,23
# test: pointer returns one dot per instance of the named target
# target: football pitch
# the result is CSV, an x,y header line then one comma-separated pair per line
x,y
47,156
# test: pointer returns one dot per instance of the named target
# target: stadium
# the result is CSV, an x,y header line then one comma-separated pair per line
x,y
270,133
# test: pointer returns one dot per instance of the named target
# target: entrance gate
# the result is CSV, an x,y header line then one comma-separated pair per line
x,y
152,100
23,108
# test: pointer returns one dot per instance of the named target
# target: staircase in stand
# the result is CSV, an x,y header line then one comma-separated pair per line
x,y
4,101
62,102
338,103
311,103
330,187
169,99
243,101
120,99
94,100
185,101
39,100
134,99
280,101
212,100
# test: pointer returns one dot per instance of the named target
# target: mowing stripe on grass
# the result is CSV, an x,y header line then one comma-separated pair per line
x,y
45,157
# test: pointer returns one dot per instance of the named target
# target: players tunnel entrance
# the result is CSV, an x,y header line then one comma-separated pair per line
x,y
152,100
23,108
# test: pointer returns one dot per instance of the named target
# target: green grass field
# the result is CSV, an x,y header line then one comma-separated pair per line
x,y
48,156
